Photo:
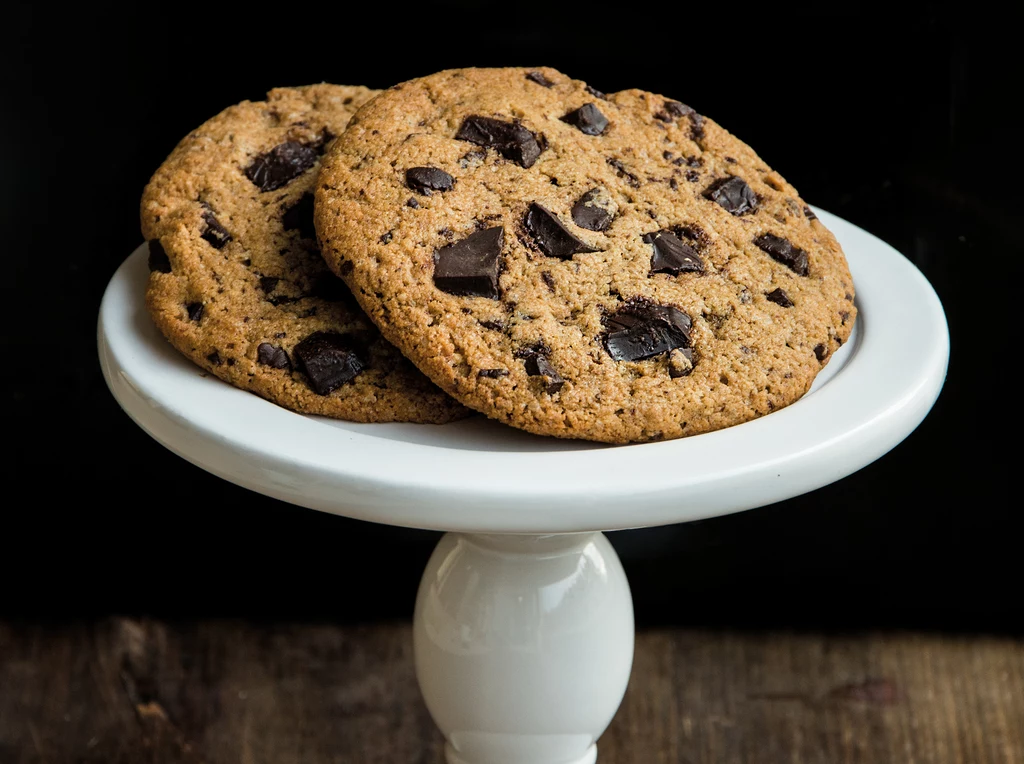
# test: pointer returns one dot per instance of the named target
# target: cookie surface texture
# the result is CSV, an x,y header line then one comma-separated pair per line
x,y
614,268
237,284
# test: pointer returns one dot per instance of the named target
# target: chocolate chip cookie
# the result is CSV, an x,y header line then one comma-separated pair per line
x,y
616,268
237,284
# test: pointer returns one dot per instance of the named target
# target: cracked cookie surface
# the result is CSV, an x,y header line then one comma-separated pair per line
x,y
237,284
615,268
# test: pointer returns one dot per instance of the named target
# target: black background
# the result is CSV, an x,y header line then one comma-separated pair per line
x,y
898,121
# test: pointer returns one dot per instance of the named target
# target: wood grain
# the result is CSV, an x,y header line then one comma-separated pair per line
x,y
125,690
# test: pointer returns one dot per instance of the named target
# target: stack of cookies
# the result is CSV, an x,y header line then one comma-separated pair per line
x,y
615,268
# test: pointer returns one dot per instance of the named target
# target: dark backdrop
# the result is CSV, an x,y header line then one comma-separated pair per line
x,y
899,123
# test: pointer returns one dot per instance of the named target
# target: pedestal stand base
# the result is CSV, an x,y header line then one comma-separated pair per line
x,y
523,645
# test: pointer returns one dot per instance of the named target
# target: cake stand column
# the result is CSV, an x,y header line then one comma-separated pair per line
x,y
523,645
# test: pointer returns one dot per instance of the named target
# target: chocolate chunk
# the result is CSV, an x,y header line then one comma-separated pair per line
x,y
779,297
300,217
692,175
214,358
553,238
595,92
809,214
587,119
732,194
510,139
671,255
539,366
540,79
470,266
268,283
680,362
781,250
216,234
158,260
273,356
696,126
677,109
385,238
412,203
548,279
494,326
694,234
329,360
673,110
622,172
586,213
281,165
194,310
493,373
427,179
820,351
642,329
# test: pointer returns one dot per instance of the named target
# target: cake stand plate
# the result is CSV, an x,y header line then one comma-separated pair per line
x,y
523,627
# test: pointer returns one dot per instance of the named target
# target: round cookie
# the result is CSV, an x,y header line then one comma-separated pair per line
x,y
237,284
614,268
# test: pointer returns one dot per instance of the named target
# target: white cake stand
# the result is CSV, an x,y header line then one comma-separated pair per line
x,y
523,628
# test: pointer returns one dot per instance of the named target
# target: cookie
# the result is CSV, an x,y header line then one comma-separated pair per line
x,y
616,268
237,284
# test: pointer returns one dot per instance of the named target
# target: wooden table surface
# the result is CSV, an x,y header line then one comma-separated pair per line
x,y
124,690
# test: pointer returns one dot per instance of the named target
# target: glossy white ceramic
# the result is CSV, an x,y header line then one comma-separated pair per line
x,y
524,643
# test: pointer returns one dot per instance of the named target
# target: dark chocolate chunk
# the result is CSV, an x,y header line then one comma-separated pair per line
x,y
595,92
494,326
820,351
587,119
587,214
732,194
539,366
412,203
694,234
779,297
809,214
696,126
677,109
692,175
510,139
622,172
470,266
385,238
158,260
673,110
642,329
268,283
427,179
540,79
672,255
553,238
194,310
300,217
281,165
273,356
548,279
673,184
329,360
781,250
492,373
214,358
216,234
